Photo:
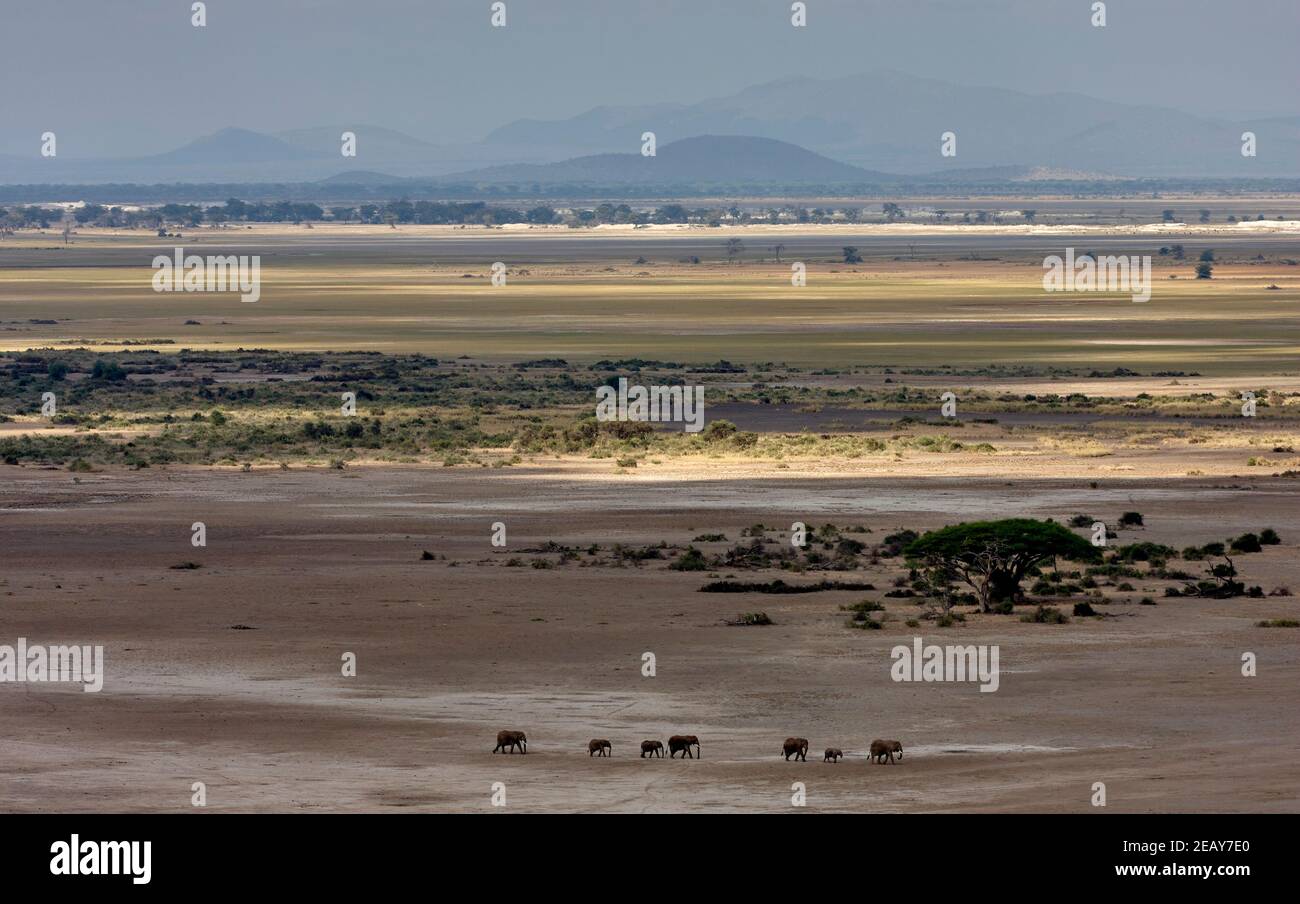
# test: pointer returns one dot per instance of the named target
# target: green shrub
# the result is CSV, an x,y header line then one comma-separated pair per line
x,y
1246,543
1045,615
691,560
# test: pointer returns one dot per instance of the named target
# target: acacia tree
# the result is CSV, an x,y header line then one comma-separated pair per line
x,y
1221,582
994,556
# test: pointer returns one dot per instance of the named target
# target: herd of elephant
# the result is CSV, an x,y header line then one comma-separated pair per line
x,y
881,751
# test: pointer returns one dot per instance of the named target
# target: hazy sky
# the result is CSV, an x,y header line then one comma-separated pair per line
x,y
127,77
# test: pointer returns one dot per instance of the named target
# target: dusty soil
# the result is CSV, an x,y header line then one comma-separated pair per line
x,y
1149,700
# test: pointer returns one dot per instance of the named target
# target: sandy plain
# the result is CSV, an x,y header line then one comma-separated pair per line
x,y
1149,700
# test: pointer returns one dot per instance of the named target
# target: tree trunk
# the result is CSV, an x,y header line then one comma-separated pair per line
x,y
1003,585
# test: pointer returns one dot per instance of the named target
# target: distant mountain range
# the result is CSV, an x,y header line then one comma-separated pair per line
x,y
890,121
705,159
793,131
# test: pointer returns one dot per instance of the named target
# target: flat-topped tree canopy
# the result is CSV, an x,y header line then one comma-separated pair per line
x,y
994,556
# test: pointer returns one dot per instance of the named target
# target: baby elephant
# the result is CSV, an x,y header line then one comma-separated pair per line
x,y
650,748
511,739
599,747
796,746
833,755
882,749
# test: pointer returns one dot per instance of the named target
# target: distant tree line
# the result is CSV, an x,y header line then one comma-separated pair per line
x,y
405,212
379,192
482,213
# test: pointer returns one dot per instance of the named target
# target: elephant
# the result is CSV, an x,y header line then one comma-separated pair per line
x,y
511,739
683,743
882,749
650,748
796,746
599,747
833,755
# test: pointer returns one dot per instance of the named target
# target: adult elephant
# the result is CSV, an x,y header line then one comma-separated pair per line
x,y
511,739
683,744
885,750
796,746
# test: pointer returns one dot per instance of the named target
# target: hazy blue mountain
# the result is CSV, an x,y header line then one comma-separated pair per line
x,y
716,159
229,146
890,121
241,155
884,121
